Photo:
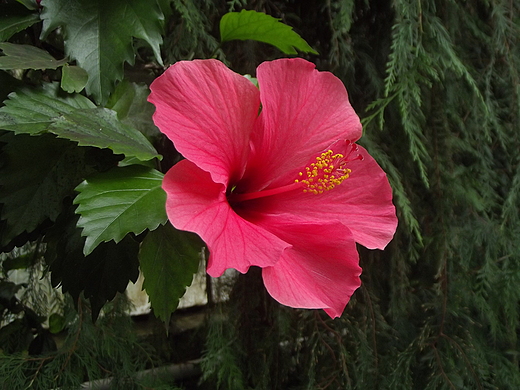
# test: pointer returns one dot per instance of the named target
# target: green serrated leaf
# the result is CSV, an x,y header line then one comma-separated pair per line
x,y
73,117
260,27
168,258
11,24
121,201
98,35
26,57
32,111
100,127
36,174
73,78
100,275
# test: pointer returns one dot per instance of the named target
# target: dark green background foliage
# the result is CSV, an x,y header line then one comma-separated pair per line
x,y
437,85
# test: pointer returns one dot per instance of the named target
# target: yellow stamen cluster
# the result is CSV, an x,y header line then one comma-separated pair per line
x,y
326,173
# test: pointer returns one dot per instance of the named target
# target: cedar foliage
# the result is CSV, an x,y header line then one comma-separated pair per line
x,y
437,86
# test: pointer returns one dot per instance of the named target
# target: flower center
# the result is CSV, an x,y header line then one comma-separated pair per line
x,y
327,171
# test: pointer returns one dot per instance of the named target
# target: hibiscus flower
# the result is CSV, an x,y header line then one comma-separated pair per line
x,y
272,176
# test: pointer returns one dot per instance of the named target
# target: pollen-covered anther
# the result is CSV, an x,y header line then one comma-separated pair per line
x,y
328,171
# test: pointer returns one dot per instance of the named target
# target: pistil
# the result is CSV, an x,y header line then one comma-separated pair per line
x,y
234,197
323,173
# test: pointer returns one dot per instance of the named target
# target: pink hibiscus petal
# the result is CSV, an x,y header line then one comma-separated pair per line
x,y
362,202
303,111
208,111
197,204
321,269
371,214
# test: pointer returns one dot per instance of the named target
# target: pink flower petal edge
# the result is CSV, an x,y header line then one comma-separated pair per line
x,y
313,273
208,111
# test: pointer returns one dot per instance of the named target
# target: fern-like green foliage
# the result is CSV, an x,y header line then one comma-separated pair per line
x,y
109,349
437,86
190,36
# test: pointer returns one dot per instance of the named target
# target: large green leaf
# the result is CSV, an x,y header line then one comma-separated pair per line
x,y
121,201
14,18
168,260
100,127
100,275
73,117
32,111
98,35
26,57
263,28
36,174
